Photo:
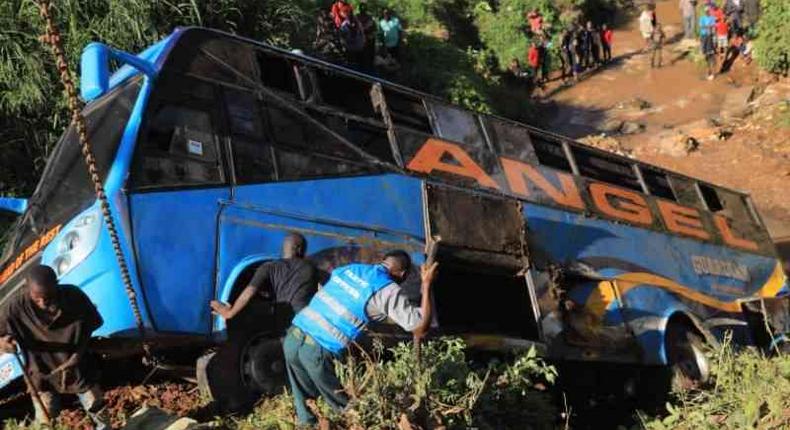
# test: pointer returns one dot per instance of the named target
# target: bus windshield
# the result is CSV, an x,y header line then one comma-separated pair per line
x,y
65,187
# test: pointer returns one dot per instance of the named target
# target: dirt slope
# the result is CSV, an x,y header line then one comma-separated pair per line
x,y
754,157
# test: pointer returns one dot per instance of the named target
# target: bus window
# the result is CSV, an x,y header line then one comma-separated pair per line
x,y
243,112
277,73
306,150
65,187
657,182
179,148
345,93
686,192
368,137
456,124
202,55
550,152
605,168
407,111
253,159
712,200
511,141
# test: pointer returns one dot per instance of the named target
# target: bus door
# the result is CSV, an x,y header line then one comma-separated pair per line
x,y
481,288
178,186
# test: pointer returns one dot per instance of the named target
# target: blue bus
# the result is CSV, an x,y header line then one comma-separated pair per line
x,y
211,147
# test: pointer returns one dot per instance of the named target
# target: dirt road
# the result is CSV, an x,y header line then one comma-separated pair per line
x,y
756,158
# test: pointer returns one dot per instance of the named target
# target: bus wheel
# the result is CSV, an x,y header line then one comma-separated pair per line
x,y
686,356
262,364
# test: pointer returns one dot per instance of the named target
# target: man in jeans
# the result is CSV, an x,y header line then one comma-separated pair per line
x,y
391,34
707,25
53,324
337,315
688,9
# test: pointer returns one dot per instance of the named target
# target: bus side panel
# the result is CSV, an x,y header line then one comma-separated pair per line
x,y
656,274
390,203
344,220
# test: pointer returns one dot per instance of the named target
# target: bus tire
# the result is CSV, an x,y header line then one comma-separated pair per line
x,y
262,365
686,357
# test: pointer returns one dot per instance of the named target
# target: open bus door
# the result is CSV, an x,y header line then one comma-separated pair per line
x,y
481,291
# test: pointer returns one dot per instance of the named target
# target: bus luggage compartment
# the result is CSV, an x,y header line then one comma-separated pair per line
x,y
481,288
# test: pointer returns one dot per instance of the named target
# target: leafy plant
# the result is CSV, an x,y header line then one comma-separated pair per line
x,y
444,389
772,46
749,391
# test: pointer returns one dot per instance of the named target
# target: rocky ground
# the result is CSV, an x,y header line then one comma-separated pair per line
x,y
732,131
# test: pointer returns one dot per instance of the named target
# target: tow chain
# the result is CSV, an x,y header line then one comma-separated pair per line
x,y
52,38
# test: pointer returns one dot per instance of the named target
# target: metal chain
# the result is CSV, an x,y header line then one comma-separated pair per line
x,y
52,38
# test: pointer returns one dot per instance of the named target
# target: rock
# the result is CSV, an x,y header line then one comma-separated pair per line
x,y
612,125
157,419
631,127
702,130
676,145
736,103
635,103
607,143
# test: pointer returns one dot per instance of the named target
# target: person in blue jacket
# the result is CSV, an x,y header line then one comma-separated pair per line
x,y
336,316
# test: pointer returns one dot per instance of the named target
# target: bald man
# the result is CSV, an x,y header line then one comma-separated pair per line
x,y
290,280
53,325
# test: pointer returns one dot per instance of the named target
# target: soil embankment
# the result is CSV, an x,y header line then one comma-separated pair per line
x,y
740,120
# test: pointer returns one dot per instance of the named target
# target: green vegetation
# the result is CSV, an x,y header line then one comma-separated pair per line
x,y
445,390
772,47
748,391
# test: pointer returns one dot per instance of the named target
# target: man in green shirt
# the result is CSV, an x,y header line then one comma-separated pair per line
x,y
391,33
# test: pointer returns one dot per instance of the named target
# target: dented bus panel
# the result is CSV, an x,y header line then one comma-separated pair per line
x,y
223,145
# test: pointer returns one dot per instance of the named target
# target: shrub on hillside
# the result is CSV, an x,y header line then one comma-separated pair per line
x,y
772,46
503,29
749,390
444,389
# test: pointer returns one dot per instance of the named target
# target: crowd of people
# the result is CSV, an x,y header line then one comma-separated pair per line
x,y
723,32
724,35
581,48
359,39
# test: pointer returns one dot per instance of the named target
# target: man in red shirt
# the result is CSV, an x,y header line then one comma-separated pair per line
x,y
722,33
533,57
535,21
607,35
340,11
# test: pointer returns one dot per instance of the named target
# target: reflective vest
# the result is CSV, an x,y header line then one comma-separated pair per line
x,y
336,315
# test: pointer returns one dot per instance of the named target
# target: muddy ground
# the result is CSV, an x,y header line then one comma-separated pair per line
x,y
738,150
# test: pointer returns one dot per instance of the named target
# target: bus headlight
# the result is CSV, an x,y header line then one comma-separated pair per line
x,y
76,241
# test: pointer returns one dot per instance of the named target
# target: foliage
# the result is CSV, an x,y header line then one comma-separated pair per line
x,y
444,389
388,387
504,29
32,107
772,46
749,391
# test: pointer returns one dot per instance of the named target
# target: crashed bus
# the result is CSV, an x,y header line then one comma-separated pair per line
x,y
211,147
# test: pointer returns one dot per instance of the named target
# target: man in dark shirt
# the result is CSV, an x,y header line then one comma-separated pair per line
x,y
53,324
290,280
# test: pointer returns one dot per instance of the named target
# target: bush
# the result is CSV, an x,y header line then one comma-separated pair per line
x,y
749,391
504,30
772,46
445,390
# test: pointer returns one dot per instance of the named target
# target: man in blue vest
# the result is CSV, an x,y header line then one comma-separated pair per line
x,y
338,313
